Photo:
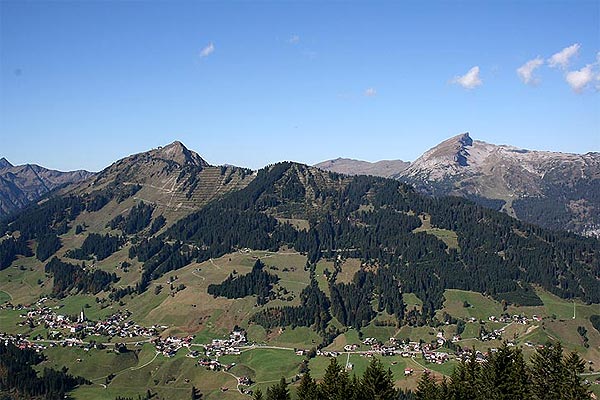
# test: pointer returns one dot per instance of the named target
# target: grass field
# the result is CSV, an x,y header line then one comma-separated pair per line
x,y
301,338
450,238
480,307
412,301
4,297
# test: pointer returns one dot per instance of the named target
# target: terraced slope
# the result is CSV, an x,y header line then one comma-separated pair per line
x,y
174,179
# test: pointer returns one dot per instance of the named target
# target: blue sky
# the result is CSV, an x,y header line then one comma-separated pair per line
x,y
83,84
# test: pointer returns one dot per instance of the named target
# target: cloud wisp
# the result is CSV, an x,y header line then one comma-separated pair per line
x,y
579,79
470,80
562,58
207,50
370,92
526,71
294,39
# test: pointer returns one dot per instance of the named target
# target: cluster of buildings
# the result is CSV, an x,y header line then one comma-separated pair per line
x,y
494,335
519,319
395,348
219,347
170,345
115,325
20,341
465,355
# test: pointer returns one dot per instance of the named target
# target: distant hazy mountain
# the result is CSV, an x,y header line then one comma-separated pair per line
x,y
22,184
348,166
551,189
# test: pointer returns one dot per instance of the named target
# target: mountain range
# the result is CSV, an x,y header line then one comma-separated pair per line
x,y
172,192
22,184
551,189
294,256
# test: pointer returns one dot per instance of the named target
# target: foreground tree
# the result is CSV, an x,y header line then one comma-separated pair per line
x,y
574,387
279,391
308,389
464,380
335,384
377,383
427,388
258,395
547,372
504,376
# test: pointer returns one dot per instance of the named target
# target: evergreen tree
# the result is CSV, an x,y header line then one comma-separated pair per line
x,y
574,387
427,388
335,383
464,380
547,372
279,392
505,376
378,384
196,395
308,388
258,395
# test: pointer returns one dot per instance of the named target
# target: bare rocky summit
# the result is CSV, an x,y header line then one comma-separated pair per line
x,y
551,189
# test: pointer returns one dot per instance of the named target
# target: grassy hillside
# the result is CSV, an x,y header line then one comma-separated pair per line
x,y
193,311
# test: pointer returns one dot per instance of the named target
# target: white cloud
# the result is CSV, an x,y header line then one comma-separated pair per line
x,y
578,80
208,50
470,80
561,59
294,39
370,92
526,70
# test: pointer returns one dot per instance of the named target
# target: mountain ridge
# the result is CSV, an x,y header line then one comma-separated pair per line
x,y
553,189
383,168
287,248
172,178
21,185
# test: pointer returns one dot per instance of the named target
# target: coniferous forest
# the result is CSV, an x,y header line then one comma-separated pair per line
x,y
374,219
504,375
69,277
258,282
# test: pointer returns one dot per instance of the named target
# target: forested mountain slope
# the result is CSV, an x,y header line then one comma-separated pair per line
x,y
378,221
394,230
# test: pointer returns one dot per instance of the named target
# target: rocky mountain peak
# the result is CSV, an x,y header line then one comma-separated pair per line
x,y
450,154
177,152
4,163
465,139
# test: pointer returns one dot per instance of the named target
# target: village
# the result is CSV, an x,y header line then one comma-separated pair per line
x,y
64,330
